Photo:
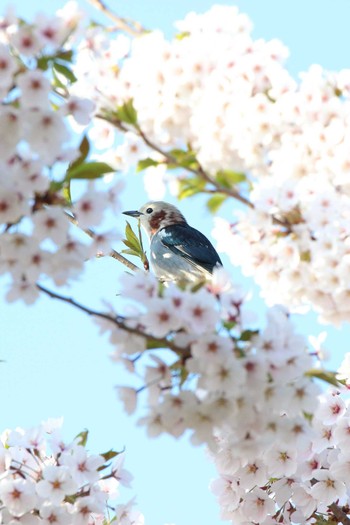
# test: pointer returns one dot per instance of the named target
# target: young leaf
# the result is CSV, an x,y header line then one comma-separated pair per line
x,y
216,201
65,71
130,251
184,159
84,149
82,437
132,238
248,334
66,192
88,170
127,113
228,178
324,375
146,163
110,454
190,186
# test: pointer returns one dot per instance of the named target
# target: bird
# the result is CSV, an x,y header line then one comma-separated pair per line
x,y
178,252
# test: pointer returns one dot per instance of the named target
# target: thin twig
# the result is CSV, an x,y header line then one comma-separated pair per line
x,y
339,515
119,321
200,172
132,27
112,253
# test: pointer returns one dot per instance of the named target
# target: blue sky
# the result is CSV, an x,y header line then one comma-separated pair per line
x,y
55,362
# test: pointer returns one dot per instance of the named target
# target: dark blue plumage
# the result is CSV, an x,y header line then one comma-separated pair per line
x,y
191,244
178,251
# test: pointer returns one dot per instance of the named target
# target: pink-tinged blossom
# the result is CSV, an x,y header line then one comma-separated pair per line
x,y
344,369
200,313
27,41
122,475
342,433
50,133
253,474
7,67
83,468
90,208
228,491
50,513
50,30
51,223
11,131
57,482
85,508
140,287
81,109
22,290
281,461
160,318
18,495
328,488
304,500
331,408
257,505
35,89
128,397
127,515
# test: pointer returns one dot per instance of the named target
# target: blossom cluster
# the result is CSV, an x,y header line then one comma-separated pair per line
x,y
39,155
231,101
45,480
280,443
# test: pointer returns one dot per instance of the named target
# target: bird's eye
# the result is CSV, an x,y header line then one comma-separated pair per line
x,y
149,210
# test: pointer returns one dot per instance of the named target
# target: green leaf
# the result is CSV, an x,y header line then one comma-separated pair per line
x,y
131,251
127,113
84,149
247,335
132,241
82,437
228,178
324,375
110,454
65,55
183,158
191,186
65,71
216,201
43,62
181,36
66,192
146,163
88,170
55,186
153,343
229,324
56,81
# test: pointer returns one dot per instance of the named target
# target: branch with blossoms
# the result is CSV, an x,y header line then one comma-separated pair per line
x,y
221,370
48,480
222,108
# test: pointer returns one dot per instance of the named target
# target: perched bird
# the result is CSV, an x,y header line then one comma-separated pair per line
x,y
178,251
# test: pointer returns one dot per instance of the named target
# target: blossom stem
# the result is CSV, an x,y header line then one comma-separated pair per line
x,y
132,27
117,320
112,253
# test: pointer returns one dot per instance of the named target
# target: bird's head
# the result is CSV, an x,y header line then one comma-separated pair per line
x,y
156,215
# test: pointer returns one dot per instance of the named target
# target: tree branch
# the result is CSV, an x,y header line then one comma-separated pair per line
x,y
112,253
132,27
119,321
339,515
199,172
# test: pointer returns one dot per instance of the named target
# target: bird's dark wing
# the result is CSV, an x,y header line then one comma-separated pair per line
x,y
191,244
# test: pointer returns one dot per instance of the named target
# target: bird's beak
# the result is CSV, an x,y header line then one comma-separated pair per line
x,y
133,213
